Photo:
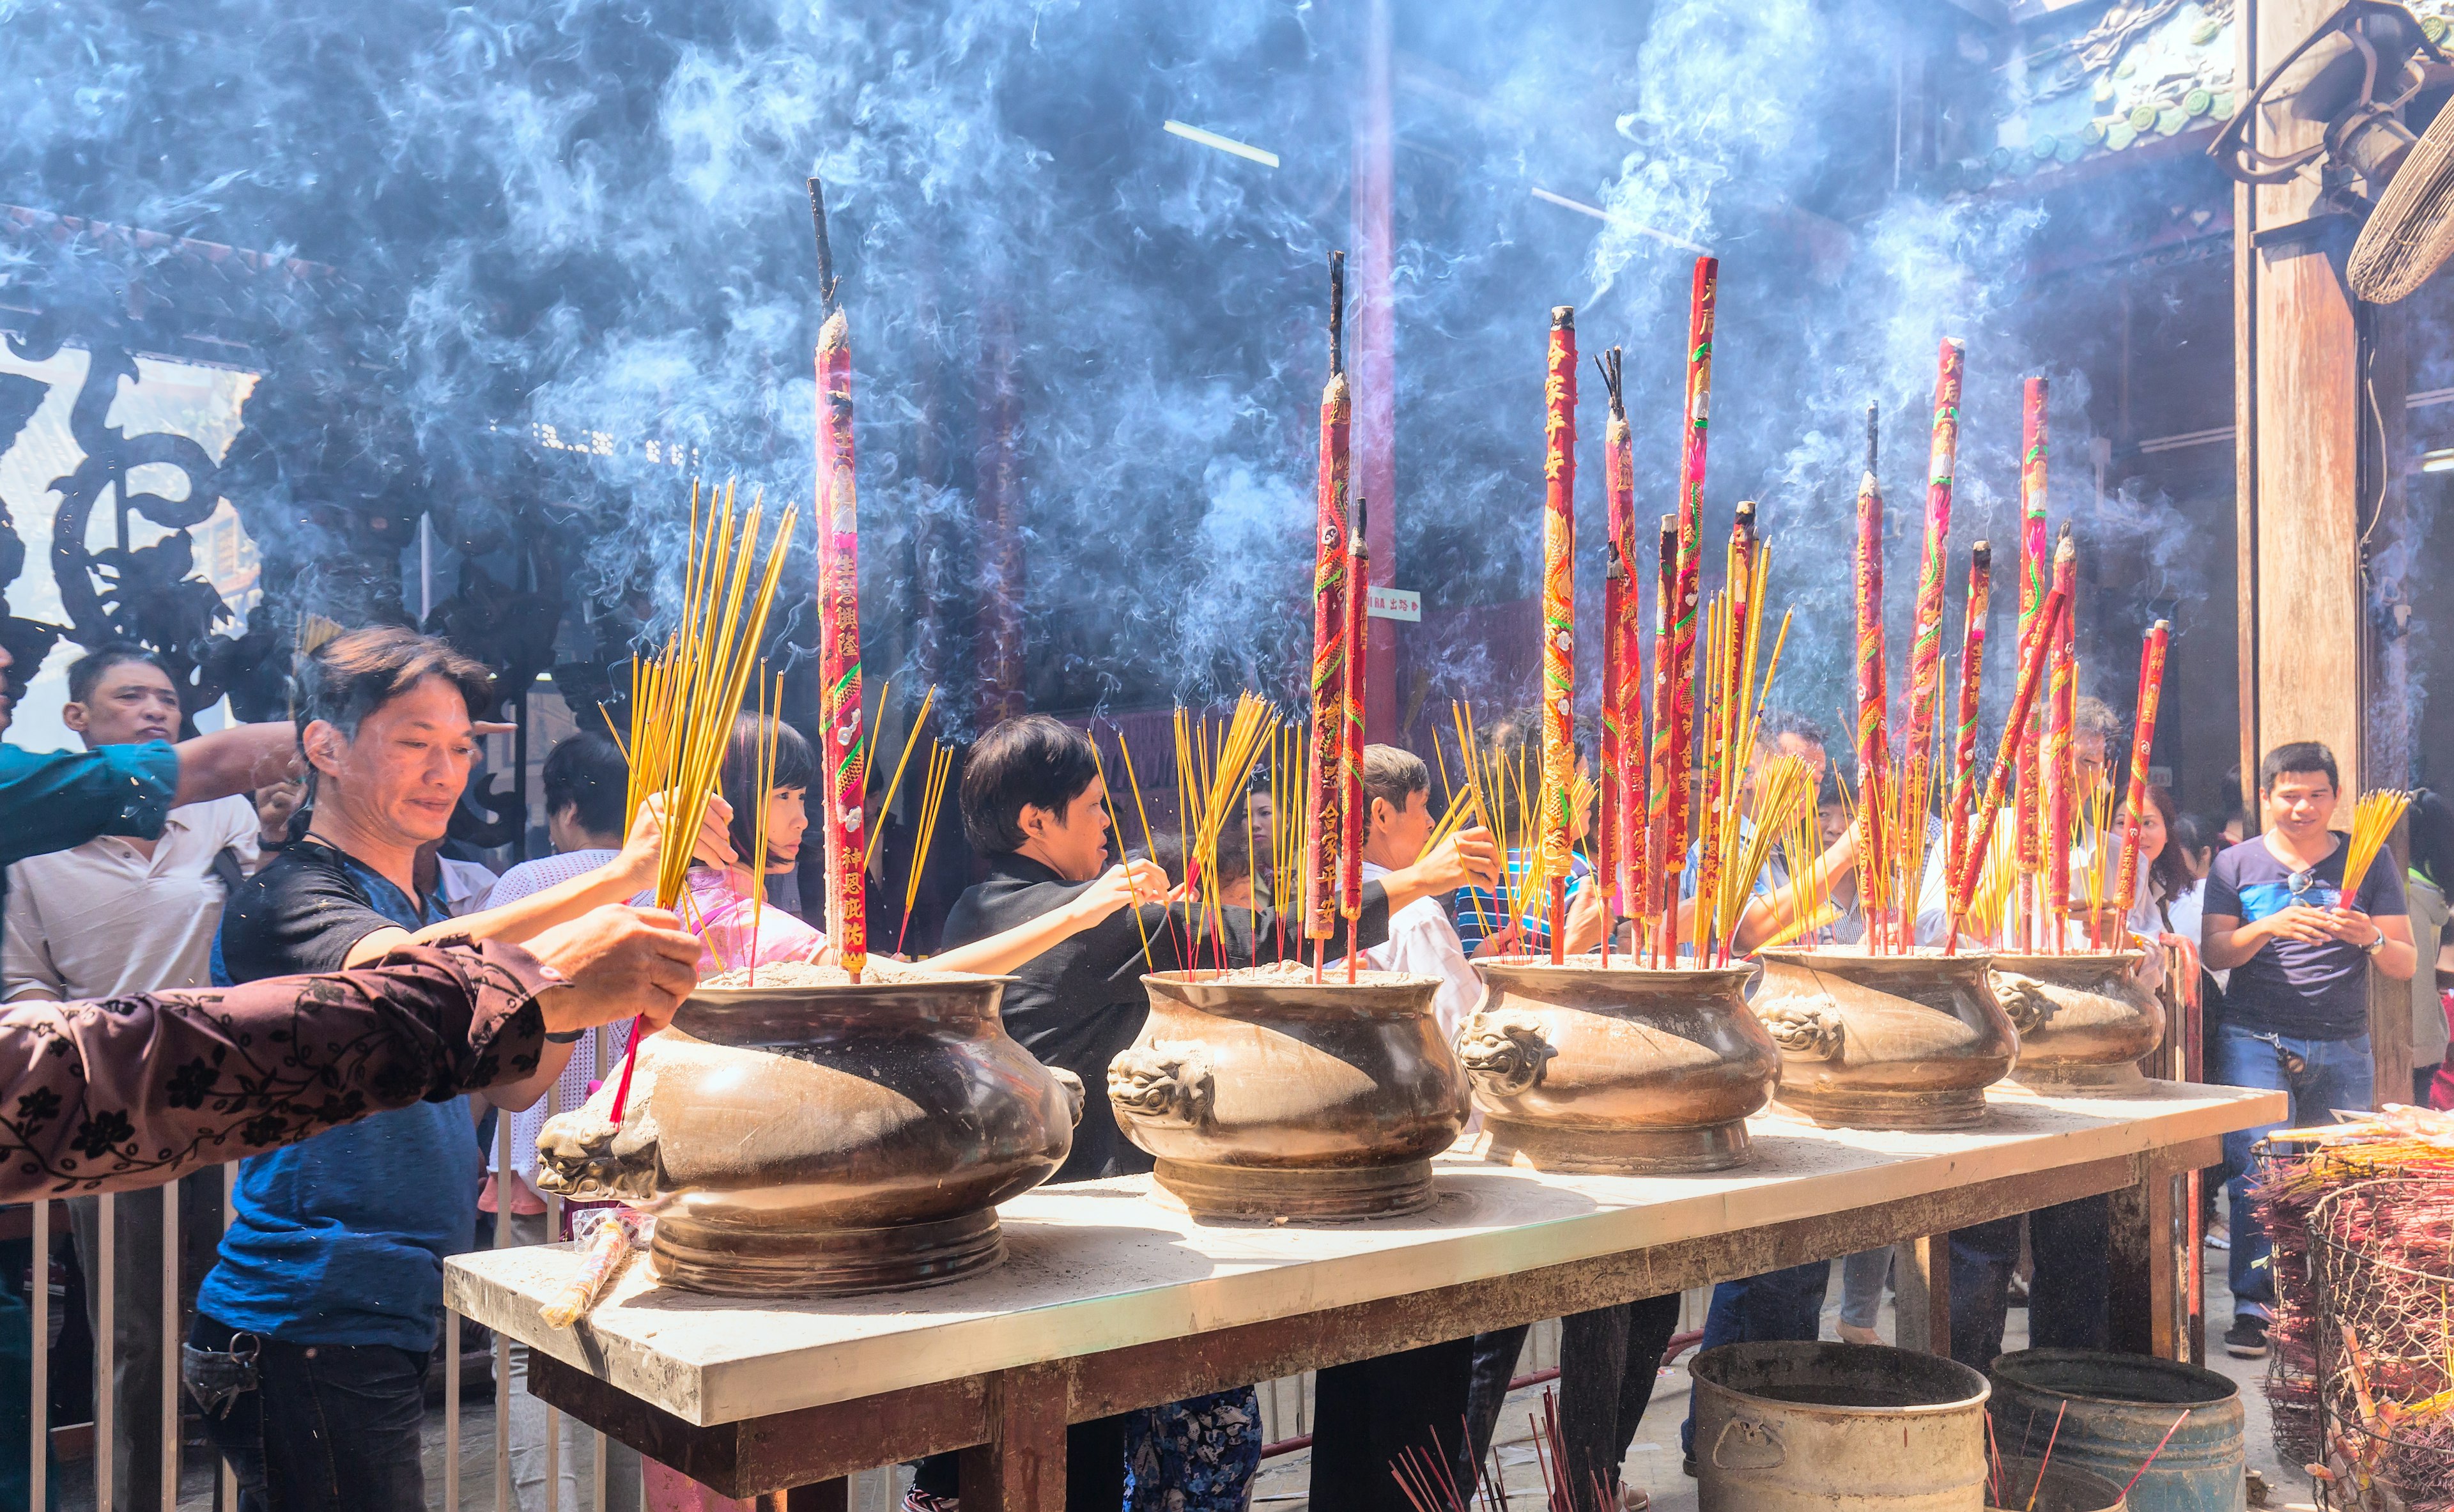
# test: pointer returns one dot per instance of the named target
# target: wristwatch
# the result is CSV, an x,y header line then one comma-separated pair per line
x,y
2375,945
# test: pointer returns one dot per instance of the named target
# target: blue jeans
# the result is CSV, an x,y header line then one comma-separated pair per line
x,y
2322,1074
329,1428
2068,1300
1774,1306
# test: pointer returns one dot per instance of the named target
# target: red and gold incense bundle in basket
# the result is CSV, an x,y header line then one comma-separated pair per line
x,y
1972,671
2024,698
2036,573
1558,617
2143,746
1322,822
1620,844
843,743
1926,639
1696,420
1874,748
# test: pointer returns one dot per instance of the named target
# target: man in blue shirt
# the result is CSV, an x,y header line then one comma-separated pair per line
x,y
331,1278
2296,1011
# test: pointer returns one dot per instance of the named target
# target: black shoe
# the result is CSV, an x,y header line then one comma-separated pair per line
x,y
1688,1465
2246,1337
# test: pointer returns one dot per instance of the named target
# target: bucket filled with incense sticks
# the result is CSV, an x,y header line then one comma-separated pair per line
x,y
812,1136
1266,1093
1885,1041
2084,1020
1586,1067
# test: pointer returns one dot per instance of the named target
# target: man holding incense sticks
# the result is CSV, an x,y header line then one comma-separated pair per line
x,y
324,1309
1034,803
2298,936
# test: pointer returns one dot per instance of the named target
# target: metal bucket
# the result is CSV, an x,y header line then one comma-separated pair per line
x,y
2120,1407
1837,1429
2068,1488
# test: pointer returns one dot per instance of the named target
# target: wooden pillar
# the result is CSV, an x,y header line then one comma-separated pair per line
x,y
2148,1313
1921,1294
1022,1466
1375,437
2310,474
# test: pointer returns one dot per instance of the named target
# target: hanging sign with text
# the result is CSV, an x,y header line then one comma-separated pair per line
x,y
1396,603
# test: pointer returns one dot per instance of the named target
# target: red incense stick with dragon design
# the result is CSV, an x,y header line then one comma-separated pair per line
x,y
1972,671
842,739
2036,572
1352,805
2142,747
1682,717
1559,615
1621,843
1925,635
2032,673
1659,891
1873,750
1322,822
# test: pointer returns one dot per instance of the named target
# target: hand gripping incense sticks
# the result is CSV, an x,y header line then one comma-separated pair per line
x,y
843,743
1559,615
1329,588
2143,745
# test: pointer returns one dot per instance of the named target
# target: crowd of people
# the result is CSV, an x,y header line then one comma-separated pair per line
x,y
174,908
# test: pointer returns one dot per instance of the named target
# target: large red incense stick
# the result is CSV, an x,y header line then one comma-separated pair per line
x,y
1660,900
2062,706
1972,671
1321,815
2035,569
1353,807
1622,841
2143,745
1559,614
843,738
1873,750
1682,721
1925,627
2032,675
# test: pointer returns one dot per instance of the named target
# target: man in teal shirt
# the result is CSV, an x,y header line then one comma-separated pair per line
x,y
57,799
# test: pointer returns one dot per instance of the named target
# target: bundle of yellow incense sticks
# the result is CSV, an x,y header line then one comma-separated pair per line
x,y
2373,820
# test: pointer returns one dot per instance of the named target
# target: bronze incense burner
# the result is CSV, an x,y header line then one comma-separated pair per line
x,y
2084,1020
1885,1041
1582,1067
1264,1095
821,1140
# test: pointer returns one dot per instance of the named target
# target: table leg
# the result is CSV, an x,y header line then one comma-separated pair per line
x,y
1021,1468
1921,1288
2146,1301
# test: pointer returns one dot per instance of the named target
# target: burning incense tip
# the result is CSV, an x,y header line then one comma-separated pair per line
x,y
1874,432
1564,317
826,255
1981,555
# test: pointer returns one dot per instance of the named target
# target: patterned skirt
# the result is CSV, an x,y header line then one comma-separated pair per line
x,y
1198,1455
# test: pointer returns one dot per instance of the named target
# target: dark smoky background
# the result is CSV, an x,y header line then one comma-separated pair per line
x,y
549,262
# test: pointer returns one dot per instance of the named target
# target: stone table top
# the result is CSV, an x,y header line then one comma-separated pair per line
x,y
1101,1265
